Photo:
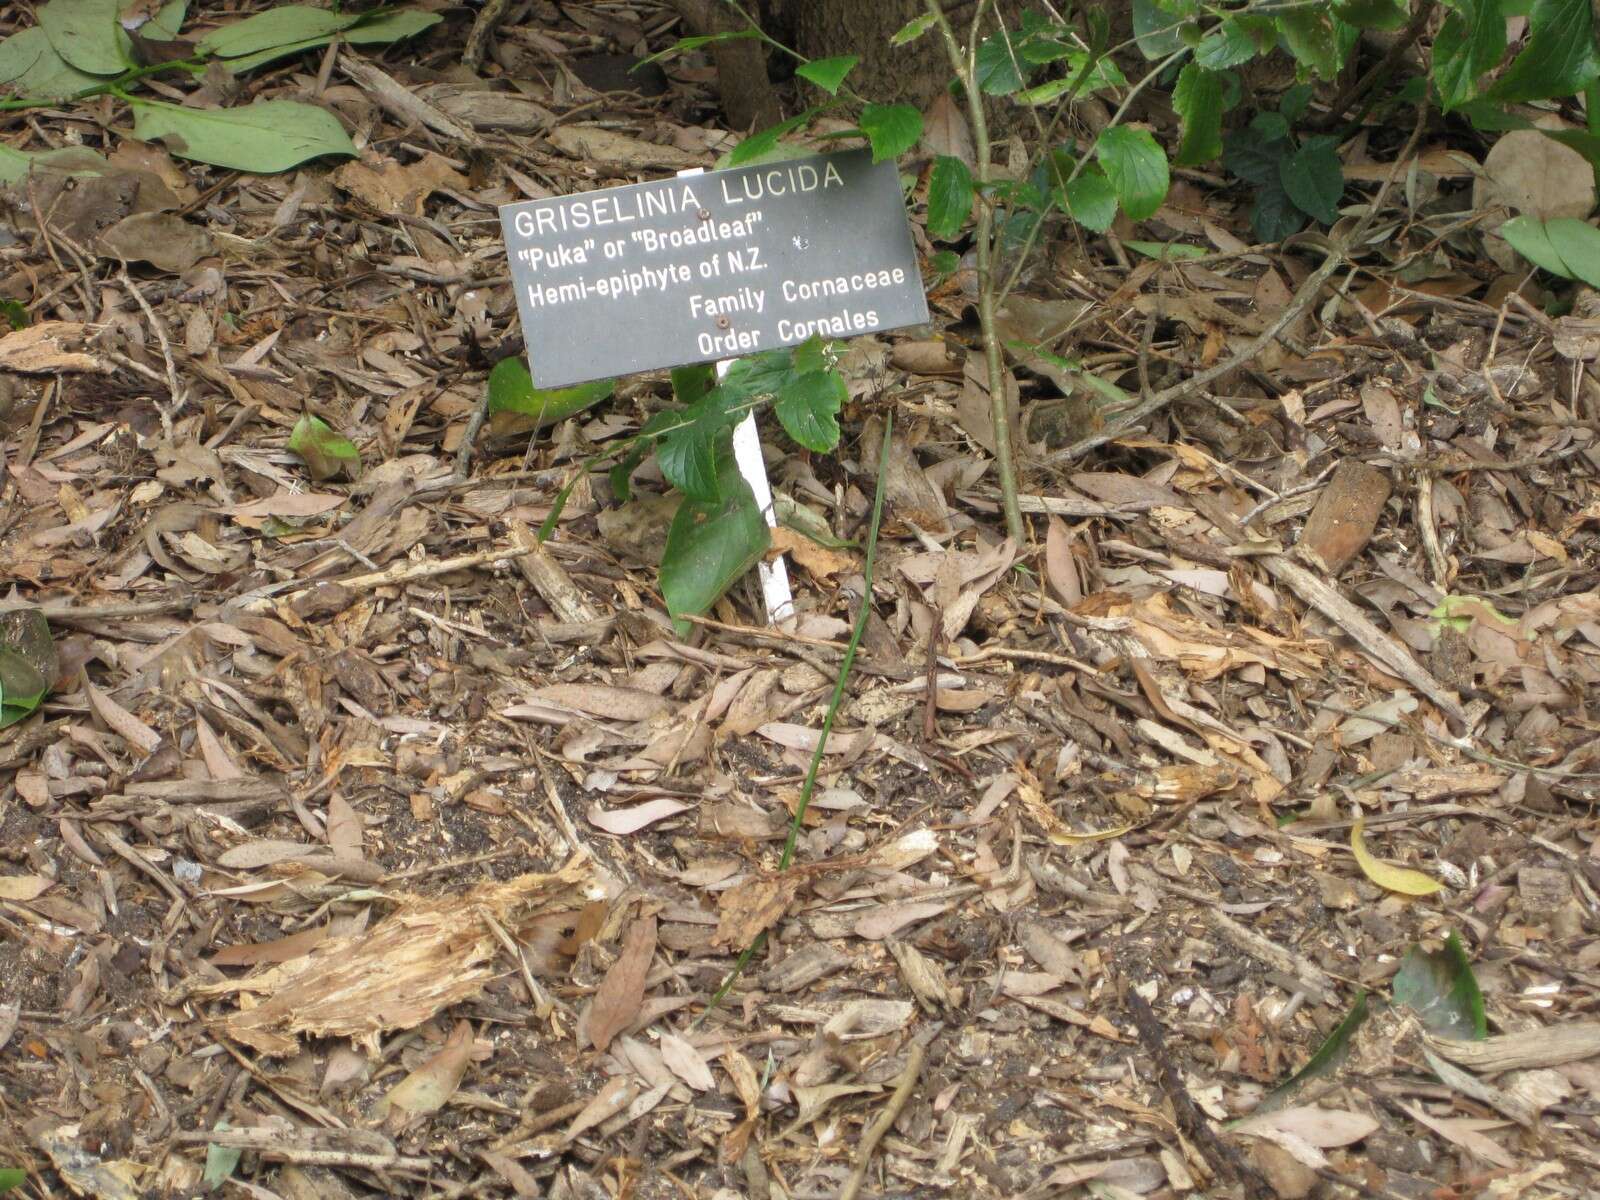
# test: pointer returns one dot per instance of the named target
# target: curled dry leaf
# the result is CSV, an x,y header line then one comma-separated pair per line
x,y
686,1062
751,908
431,1085
1396,879
623,821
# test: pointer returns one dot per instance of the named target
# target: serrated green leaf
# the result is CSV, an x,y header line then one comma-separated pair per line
x,y
28,663
756,375
1253,156
517,406
711,544
942,265
1308,33
1137,168
1156,28
1471,41
1292,106
828,73
264,137
950,195
1578,245
999,68
808,408
1237,40
1274,216
325,452
1371,14
692,382
1090,200
274,28
913,29
892,129
687,453
1198,100
810,355
1314,179
1558,59
1441,989
1528,238
759,144
86,34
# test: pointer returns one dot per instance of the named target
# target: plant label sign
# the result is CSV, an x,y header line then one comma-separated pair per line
x,y
711,266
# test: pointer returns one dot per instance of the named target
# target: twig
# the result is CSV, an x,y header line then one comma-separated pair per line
x,y
1307,292
875,1132
407,572
269,1143
483,28
965,68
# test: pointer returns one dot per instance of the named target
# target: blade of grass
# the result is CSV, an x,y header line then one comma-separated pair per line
x,y
834,704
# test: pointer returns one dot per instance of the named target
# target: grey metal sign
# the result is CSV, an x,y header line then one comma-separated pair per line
x,y
711,266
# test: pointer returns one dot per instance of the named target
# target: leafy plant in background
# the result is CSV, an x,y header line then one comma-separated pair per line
x,y
85,48
1294,179
28,663
12,1177
718,532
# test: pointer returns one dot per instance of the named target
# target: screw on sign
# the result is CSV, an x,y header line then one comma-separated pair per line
x,y
709,265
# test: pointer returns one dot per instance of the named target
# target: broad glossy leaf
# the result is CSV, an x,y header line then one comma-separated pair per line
x,y
519,406
275,27
808,407
949,197
325,452
1137,168
1558,58
1314,179
1528,238
1578,245
267,136
828,73
1090,200
711,544
1386,875
1471,41
892,129
86,34
28,663
1441,989
1198,100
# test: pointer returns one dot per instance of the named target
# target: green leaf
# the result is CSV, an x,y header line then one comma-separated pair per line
x,y
164,26
49,76
949,197
711,544
754,375
274,28
1309,35
1137,168
1558,59
221,1161
20,51
12,1177
1581,140
71,160
1198,100
378,28
759,144
828,73
1156,29
1372,14
517,406
1471,41
1528,238
1274,216
913,29
1329,1055
1579,247
1440,988
1168,251
15,314
1314,179
325,452
687,454
1253,155
808,408
28,663
622,474
1237,40
998,66
1091,201
691,383
891,128
267,136
86,34
1294,103
942,265
686,45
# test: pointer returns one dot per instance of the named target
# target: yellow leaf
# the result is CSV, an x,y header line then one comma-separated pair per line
x,y
1397,879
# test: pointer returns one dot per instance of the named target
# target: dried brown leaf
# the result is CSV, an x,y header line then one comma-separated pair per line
x,y
621,992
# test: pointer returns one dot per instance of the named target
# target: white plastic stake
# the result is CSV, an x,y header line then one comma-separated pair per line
x,y
752,466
